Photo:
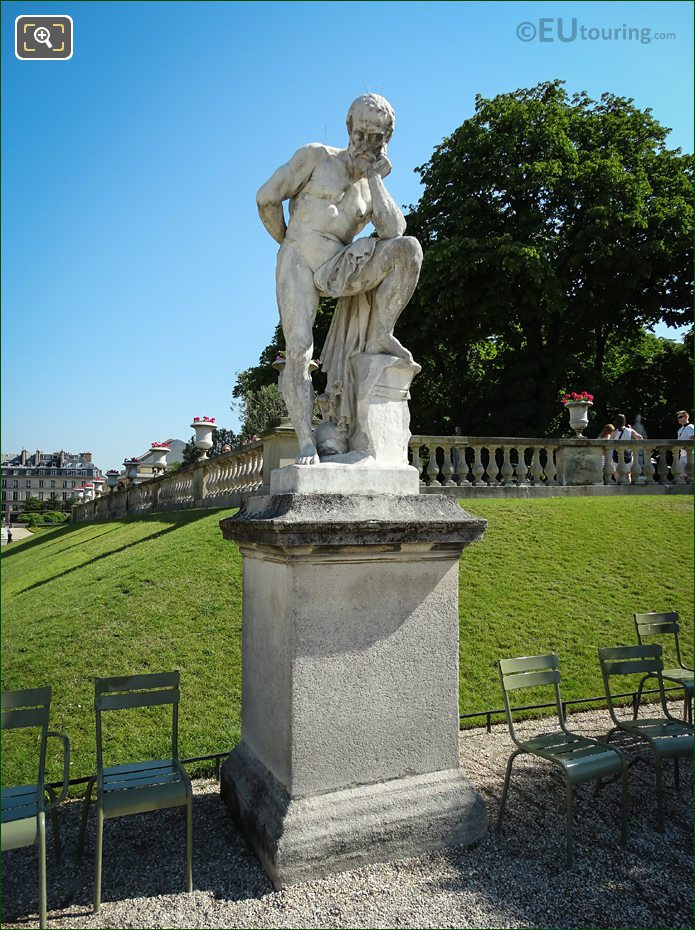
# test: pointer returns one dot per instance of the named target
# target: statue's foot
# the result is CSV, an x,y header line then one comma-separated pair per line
x,y
387,344
308,455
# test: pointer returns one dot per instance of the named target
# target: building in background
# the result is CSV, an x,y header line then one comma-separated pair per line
x,y
46,476
146,461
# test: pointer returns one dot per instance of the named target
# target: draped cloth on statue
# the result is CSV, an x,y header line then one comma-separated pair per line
x,y
348,331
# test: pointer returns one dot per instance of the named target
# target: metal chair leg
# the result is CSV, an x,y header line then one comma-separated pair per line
x,y
505,790
189,841
659,795
42,870
569,793
85,814
54,821
97,859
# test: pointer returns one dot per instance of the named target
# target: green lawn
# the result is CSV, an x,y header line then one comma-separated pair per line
x,y
565,575
161,592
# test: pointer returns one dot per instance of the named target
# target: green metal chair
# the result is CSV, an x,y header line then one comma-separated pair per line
x,y
666,624
580,758
24,807
667,737
137,787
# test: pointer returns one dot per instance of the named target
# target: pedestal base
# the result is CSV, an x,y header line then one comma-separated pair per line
x,y
297,839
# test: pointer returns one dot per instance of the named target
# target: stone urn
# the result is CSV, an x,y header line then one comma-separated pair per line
x,y
204,428
98,486
279,366
131,469
579,416
112,476
158,451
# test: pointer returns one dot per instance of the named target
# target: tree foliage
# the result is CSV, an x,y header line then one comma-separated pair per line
x,y
557,231
554,229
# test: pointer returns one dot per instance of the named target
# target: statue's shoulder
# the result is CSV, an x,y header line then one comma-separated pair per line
x,y
317,151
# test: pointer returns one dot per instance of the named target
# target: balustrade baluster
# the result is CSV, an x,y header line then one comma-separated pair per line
x,y
522,469
507,469
623,468
478,469
463,470
432,469
448,467
663,468
551,464
535,466
648,467
636,467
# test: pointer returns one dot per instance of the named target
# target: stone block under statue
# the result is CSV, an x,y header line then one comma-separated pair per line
x,y
349,750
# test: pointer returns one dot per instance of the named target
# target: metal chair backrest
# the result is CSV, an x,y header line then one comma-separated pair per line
x,y
133,691
29,708
630,660
529,672
659,624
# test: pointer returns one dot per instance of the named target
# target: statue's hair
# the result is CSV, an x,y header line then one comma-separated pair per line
x,y
371,103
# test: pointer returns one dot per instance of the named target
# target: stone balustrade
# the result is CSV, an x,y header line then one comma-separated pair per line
x,y
457,465
490,462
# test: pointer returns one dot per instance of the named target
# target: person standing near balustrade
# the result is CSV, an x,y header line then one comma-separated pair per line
x,y
685,432
624,433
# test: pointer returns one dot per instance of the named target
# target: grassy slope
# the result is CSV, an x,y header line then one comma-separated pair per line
x,y
565,575
161,592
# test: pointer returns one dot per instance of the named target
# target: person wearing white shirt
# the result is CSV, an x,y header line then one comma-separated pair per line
x,y
685,432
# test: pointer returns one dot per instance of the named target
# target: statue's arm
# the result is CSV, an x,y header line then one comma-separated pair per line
x,y
388,220
287,181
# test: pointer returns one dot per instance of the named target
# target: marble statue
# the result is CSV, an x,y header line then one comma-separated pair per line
x,y
333,194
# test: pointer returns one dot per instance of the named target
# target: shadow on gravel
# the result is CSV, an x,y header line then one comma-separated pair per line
x,y
144,856
515,880
646,884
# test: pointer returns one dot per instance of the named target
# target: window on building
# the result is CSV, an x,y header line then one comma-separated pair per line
x,y
41,483
15,496
40,495
53,471
53,495
65,484
28,484
4,483
72,484
4,495
65,495
53,484
15,483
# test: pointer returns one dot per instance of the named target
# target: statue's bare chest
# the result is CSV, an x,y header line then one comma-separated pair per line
x,y
330,182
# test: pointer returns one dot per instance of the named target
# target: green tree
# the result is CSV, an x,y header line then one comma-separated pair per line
x,y
554,229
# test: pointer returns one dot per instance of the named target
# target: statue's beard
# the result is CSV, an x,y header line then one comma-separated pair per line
x,y
362,157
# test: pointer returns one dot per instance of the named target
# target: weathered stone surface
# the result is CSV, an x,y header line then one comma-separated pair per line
x,y
334,193
350,655
352,520
580,464
360,477
303,838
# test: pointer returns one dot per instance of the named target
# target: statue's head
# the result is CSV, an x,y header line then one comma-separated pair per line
x,y
370,122
374,109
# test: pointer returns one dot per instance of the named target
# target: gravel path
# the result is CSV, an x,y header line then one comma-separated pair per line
x,y
517,880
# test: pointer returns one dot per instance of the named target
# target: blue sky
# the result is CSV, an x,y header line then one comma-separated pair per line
x,y
138,278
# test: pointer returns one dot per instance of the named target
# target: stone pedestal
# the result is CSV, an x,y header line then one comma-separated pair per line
x,y
580,462
349,749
